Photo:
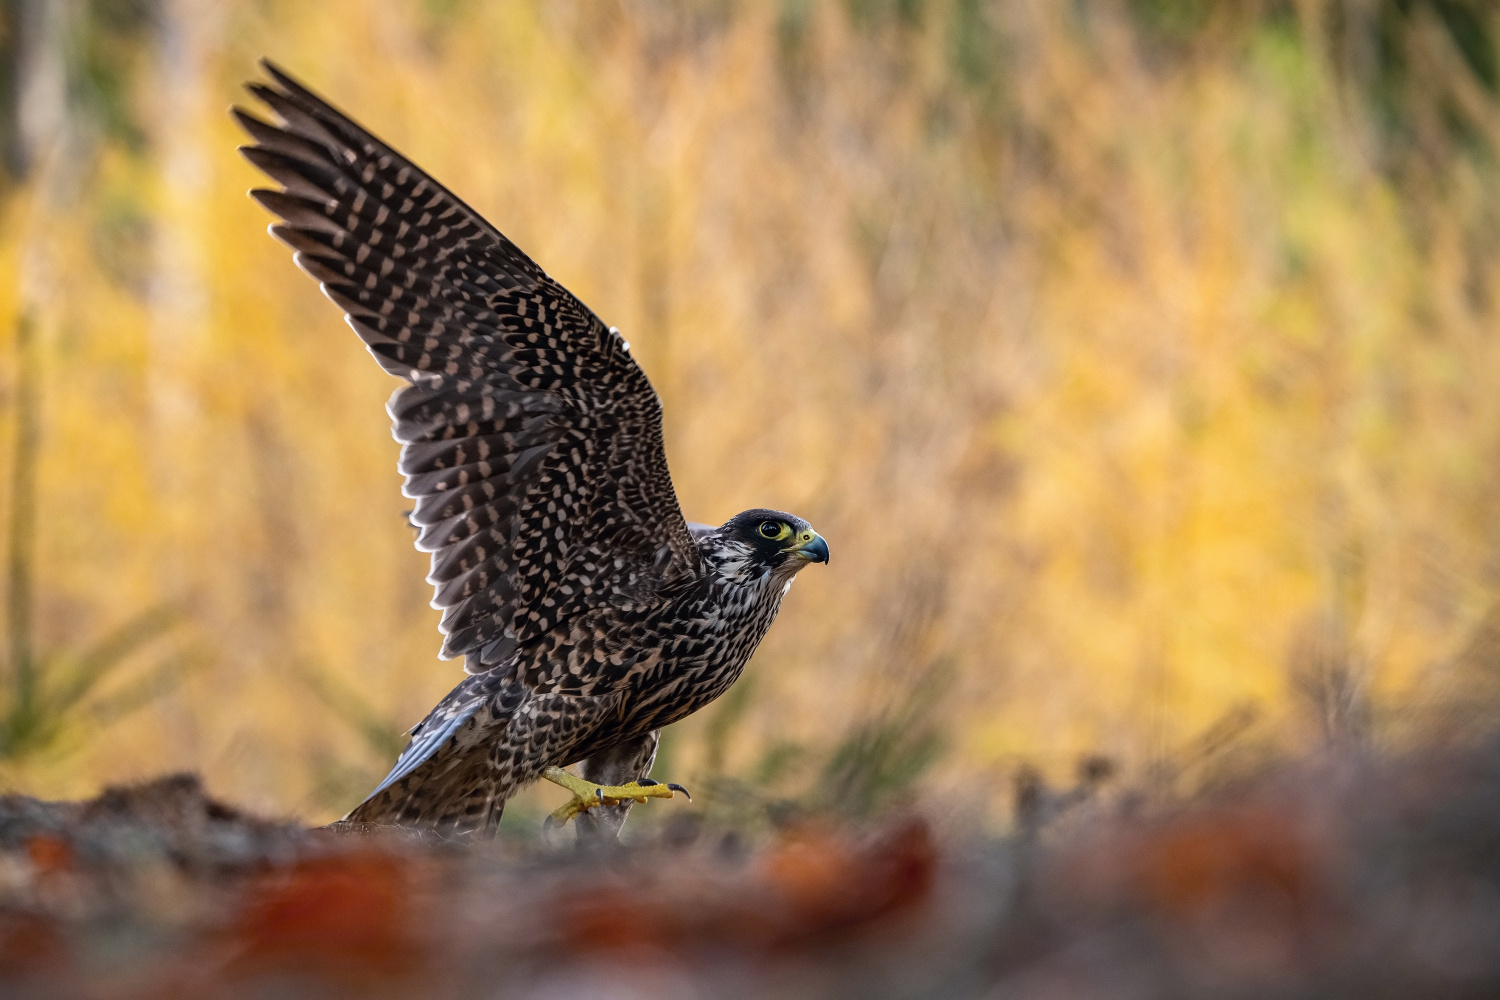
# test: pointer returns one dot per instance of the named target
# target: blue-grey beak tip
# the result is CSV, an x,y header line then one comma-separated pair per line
x,y
815,550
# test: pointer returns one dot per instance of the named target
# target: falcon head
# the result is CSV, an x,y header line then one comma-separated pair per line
x,y
760,541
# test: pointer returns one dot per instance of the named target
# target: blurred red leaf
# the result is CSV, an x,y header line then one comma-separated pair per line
x,y
828,882
1201,863
811,883
345,914
49,854
28,943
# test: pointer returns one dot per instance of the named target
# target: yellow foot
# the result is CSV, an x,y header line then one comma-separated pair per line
x,y
587,795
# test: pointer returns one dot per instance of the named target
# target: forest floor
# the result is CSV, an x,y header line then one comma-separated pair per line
x,y
1348,875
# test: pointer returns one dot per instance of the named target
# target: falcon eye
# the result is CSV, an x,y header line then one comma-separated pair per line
x,y
772,529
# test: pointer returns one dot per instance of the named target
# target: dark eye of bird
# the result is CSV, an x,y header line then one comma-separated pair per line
x,y
770,529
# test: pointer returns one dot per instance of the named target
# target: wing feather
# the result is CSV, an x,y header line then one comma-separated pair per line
x,y
531,440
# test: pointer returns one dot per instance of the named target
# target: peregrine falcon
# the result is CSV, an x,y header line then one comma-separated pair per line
x,y
588,612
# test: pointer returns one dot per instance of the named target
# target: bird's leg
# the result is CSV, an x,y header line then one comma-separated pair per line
x,y
587,795
622,763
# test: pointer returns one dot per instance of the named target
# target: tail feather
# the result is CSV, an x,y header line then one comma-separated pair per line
x,y
443,779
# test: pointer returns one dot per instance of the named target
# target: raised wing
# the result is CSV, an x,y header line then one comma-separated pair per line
x,y
531,440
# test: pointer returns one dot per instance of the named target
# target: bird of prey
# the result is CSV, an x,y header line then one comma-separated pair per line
x,y
588,612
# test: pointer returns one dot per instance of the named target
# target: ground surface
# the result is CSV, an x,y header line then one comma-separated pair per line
x,y
1337,878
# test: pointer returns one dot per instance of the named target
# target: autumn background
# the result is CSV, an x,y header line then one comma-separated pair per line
x,y
1138,359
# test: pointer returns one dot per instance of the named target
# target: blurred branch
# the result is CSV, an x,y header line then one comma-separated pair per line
x,y
884,756
166,676
21,536
1211,745
102,656
877,759
380,734
34,84
10,57
727,716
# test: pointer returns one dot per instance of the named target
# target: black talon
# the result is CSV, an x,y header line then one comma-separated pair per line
x,y
674,786
599,794
547,824
647,782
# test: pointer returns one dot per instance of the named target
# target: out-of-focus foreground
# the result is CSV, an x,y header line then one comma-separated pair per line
x,y
1137,359
1342,878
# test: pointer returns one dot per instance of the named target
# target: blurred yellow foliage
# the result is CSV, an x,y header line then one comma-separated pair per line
x,y
1129,380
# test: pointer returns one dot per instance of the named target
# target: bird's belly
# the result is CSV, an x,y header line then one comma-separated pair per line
x,y
674,666
680,686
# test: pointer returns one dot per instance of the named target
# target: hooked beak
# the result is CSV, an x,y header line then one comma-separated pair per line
x,y
813,551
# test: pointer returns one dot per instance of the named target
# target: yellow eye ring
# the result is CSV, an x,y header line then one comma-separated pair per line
x,y
773,530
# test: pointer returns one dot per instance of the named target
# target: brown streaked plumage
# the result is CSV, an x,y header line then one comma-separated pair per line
x,y
588,612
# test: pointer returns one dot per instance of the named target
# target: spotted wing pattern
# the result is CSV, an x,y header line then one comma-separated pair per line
x,y
531,439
